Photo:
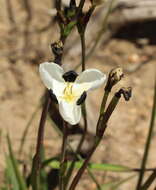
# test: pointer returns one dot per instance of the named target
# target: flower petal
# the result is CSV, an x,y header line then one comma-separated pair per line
x,y
70,112
93,77
49,72
51,75
89,80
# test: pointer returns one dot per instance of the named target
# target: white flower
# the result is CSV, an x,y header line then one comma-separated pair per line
x,y
68,90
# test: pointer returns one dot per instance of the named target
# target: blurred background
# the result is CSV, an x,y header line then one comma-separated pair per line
x,y
28,27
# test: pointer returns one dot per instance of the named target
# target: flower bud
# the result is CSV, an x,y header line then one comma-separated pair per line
x,y
126,92
57,48
114,77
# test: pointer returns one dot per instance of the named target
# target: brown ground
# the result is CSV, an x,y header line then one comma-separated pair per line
x,y
21,90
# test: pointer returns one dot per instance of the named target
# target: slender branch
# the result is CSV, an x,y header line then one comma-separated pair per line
x,y
37,158
80,7
148,141
100,33
149,181
83,47
63,157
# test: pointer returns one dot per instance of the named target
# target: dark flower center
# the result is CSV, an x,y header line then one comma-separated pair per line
x,y
70,76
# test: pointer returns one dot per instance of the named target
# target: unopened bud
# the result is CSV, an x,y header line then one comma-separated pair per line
x,y
126,92
57,48
114,77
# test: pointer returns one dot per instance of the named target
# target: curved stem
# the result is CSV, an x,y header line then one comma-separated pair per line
x,y
63,157
36,165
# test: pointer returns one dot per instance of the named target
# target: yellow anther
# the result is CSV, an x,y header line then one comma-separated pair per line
x,y
68,94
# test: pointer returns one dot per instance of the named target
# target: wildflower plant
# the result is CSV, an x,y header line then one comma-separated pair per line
x,y
69,90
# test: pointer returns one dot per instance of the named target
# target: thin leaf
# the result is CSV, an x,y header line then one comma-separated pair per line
x,y
114,185
10,177
19,178
43,174
103,167
26,129
148,140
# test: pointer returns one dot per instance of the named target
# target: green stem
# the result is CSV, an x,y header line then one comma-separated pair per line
x,y
63,158
104,101
13,160
104,117
37,158
148,141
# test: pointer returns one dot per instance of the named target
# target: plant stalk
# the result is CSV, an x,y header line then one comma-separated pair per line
x,y
70,170
63,157
148,141
104,101
101,126
36,165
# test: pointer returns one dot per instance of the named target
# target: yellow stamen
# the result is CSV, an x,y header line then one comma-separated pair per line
x,y
68,94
